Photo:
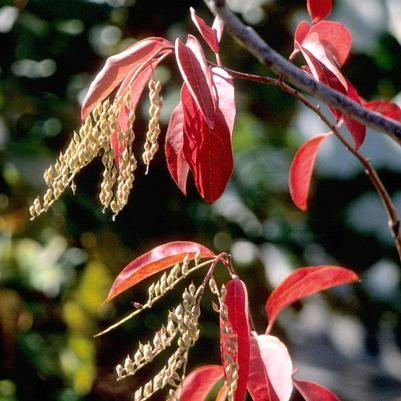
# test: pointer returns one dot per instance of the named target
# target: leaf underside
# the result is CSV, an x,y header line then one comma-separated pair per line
x,y
155,261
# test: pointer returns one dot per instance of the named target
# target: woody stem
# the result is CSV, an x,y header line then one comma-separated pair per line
x,y
391,211
295,76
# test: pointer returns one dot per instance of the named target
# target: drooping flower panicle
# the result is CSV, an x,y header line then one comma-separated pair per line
x,y
201,138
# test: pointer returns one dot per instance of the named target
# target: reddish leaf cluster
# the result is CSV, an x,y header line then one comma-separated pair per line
x,y
325,46
198,137
264,366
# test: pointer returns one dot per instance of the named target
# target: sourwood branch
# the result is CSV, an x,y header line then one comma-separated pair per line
x,y
294,75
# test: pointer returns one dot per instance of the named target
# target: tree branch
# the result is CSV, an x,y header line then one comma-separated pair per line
x,y
294,75
391,211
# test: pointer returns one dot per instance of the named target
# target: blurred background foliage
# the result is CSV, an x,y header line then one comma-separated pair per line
x,y
56,270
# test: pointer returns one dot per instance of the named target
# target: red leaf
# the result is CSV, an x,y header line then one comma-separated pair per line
x,y
319,9
322,74
116,69
218,26
385,107
207,150
325,47
301,31
259,386
320,62
314,392
223,92
302,283
196,81
335,38
301,170
199,382
176,163
237,307
154,261
277,364
138,85
137,79
196,47
208,33
357,130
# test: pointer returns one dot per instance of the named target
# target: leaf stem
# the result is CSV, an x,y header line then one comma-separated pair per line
x,y
223,257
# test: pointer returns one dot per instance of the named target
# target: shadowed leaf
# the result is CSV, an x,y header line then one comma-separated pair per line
x,y
301,31
385,107
222,394
207,150
314,392
357,130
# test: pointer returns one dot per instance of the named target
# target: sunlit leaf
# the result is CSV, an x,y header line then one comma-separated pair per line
x,y
301,169
199,382
278,365
117,67
154,261
209,34
335,38
218,27
259,385
320,62
223,92
196,80
304,282
137,80
176,163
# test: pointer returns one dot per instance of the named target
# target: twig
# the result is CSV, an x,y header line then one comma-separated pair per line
x,y
391,211
223,258
294,75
